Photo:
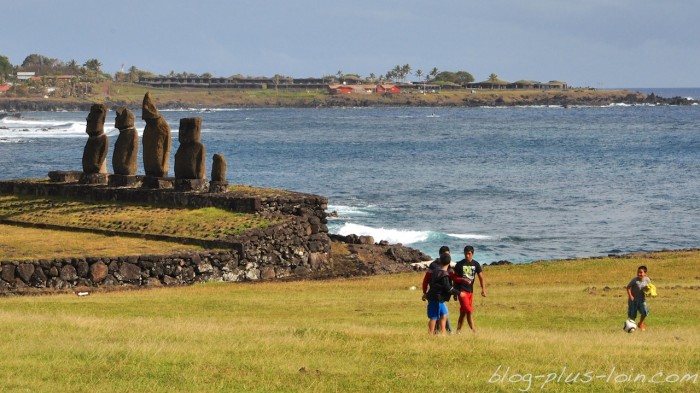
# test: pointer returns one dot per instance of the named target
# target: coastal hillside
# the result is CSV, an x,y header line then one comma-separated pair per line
x,y
131,95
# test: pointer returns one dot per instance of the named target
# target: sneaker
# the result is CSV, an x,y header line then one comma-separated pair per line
x,y
641,326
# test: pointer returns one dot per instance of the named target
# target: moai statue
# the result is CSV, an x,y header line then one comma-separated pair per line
x,y
218,168
190,156
97,146
127,147
156,140
218,181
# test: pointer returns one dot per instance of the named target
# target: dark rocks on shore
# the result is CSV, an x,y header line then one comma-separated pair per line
x,y
499,263
363,257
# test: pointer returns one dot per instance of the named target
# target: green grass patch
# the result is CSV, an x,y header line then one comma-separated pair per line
x,y
362,335
259,192
202,224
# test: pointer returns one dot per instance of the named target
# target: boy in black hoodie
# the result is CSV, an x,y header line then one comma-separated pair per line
x,y
439,291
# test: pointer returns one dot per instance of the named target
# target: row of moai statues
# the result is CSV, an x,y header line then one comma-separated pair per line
x,y
190,166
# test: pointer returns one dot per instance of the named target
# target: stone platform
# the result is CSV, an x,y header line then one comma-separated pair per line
x,y
298,247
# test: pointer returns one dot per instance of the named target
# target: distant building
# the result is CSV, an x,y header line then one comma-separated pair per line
x,y
524,84
52,79
363,89
554,85
388,89
340,89
25,75
521,84
233,82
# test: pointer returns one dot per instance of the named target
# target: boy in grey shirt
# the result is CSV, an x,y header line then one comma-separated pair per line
x,y
637,299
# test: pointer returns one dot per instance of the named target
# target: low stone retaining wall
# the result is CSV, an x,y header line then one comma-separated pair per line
x,y
290,250
298,247
289,203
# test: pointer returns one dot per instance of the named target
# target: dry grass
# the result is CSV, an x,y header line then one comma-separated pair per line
x,y
133,96
17,243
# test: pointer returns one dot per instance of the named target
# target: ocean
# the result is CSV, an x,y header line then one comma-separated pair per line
x,y
519,184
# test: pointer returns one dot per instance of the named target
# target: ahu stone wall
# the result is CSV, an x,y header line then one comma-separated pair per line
x,y
298,247
290,250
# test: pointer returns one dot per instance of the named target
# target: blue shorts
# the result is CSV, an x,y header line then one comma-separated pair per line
x,y
637,305
436,310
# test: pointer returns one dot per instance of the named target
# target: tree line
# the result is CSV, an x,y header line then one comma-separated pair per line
x,y
92,69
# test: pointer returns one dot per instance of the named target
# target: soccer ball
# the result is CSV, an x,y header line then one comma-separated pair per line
x,y
629,326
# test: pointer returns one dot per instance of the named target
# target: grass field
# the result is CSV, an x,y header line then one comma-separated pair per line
x,y
542,324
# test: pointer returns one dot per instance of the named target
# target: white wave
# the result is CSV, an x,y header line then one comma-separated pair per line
x,y
349,211
41,129
31,128
30,123
76,128
470,236
390,235
8,140
200,110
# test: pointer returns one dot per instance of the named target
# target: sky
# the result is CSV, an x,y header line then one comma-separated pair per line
x,y
586,43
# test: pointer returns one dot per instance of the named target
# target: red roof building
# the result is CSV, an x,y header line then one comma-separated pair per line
x,y
390,89
363,89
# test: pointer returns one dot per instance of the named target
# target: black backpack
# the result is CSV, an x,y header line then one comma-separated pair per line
x,y
440,286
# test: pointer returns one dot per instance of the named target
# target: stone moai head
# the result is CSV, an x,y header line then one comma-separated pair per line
x,y
149,110
218,168
190,130
125,118
96,120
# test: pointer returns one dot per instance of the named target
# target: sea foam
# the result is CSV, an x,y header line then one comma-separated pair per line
x,y
390,235
467,236
19,128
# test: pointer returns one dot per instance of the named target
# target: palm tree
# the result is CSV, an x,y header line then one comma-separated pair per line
x,y
405,71
73,66
396,73
93,65
419,74
434,72
133,74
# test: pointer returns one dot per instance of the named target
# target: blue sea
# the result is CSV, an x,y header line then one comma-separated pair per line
x,y
519,184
